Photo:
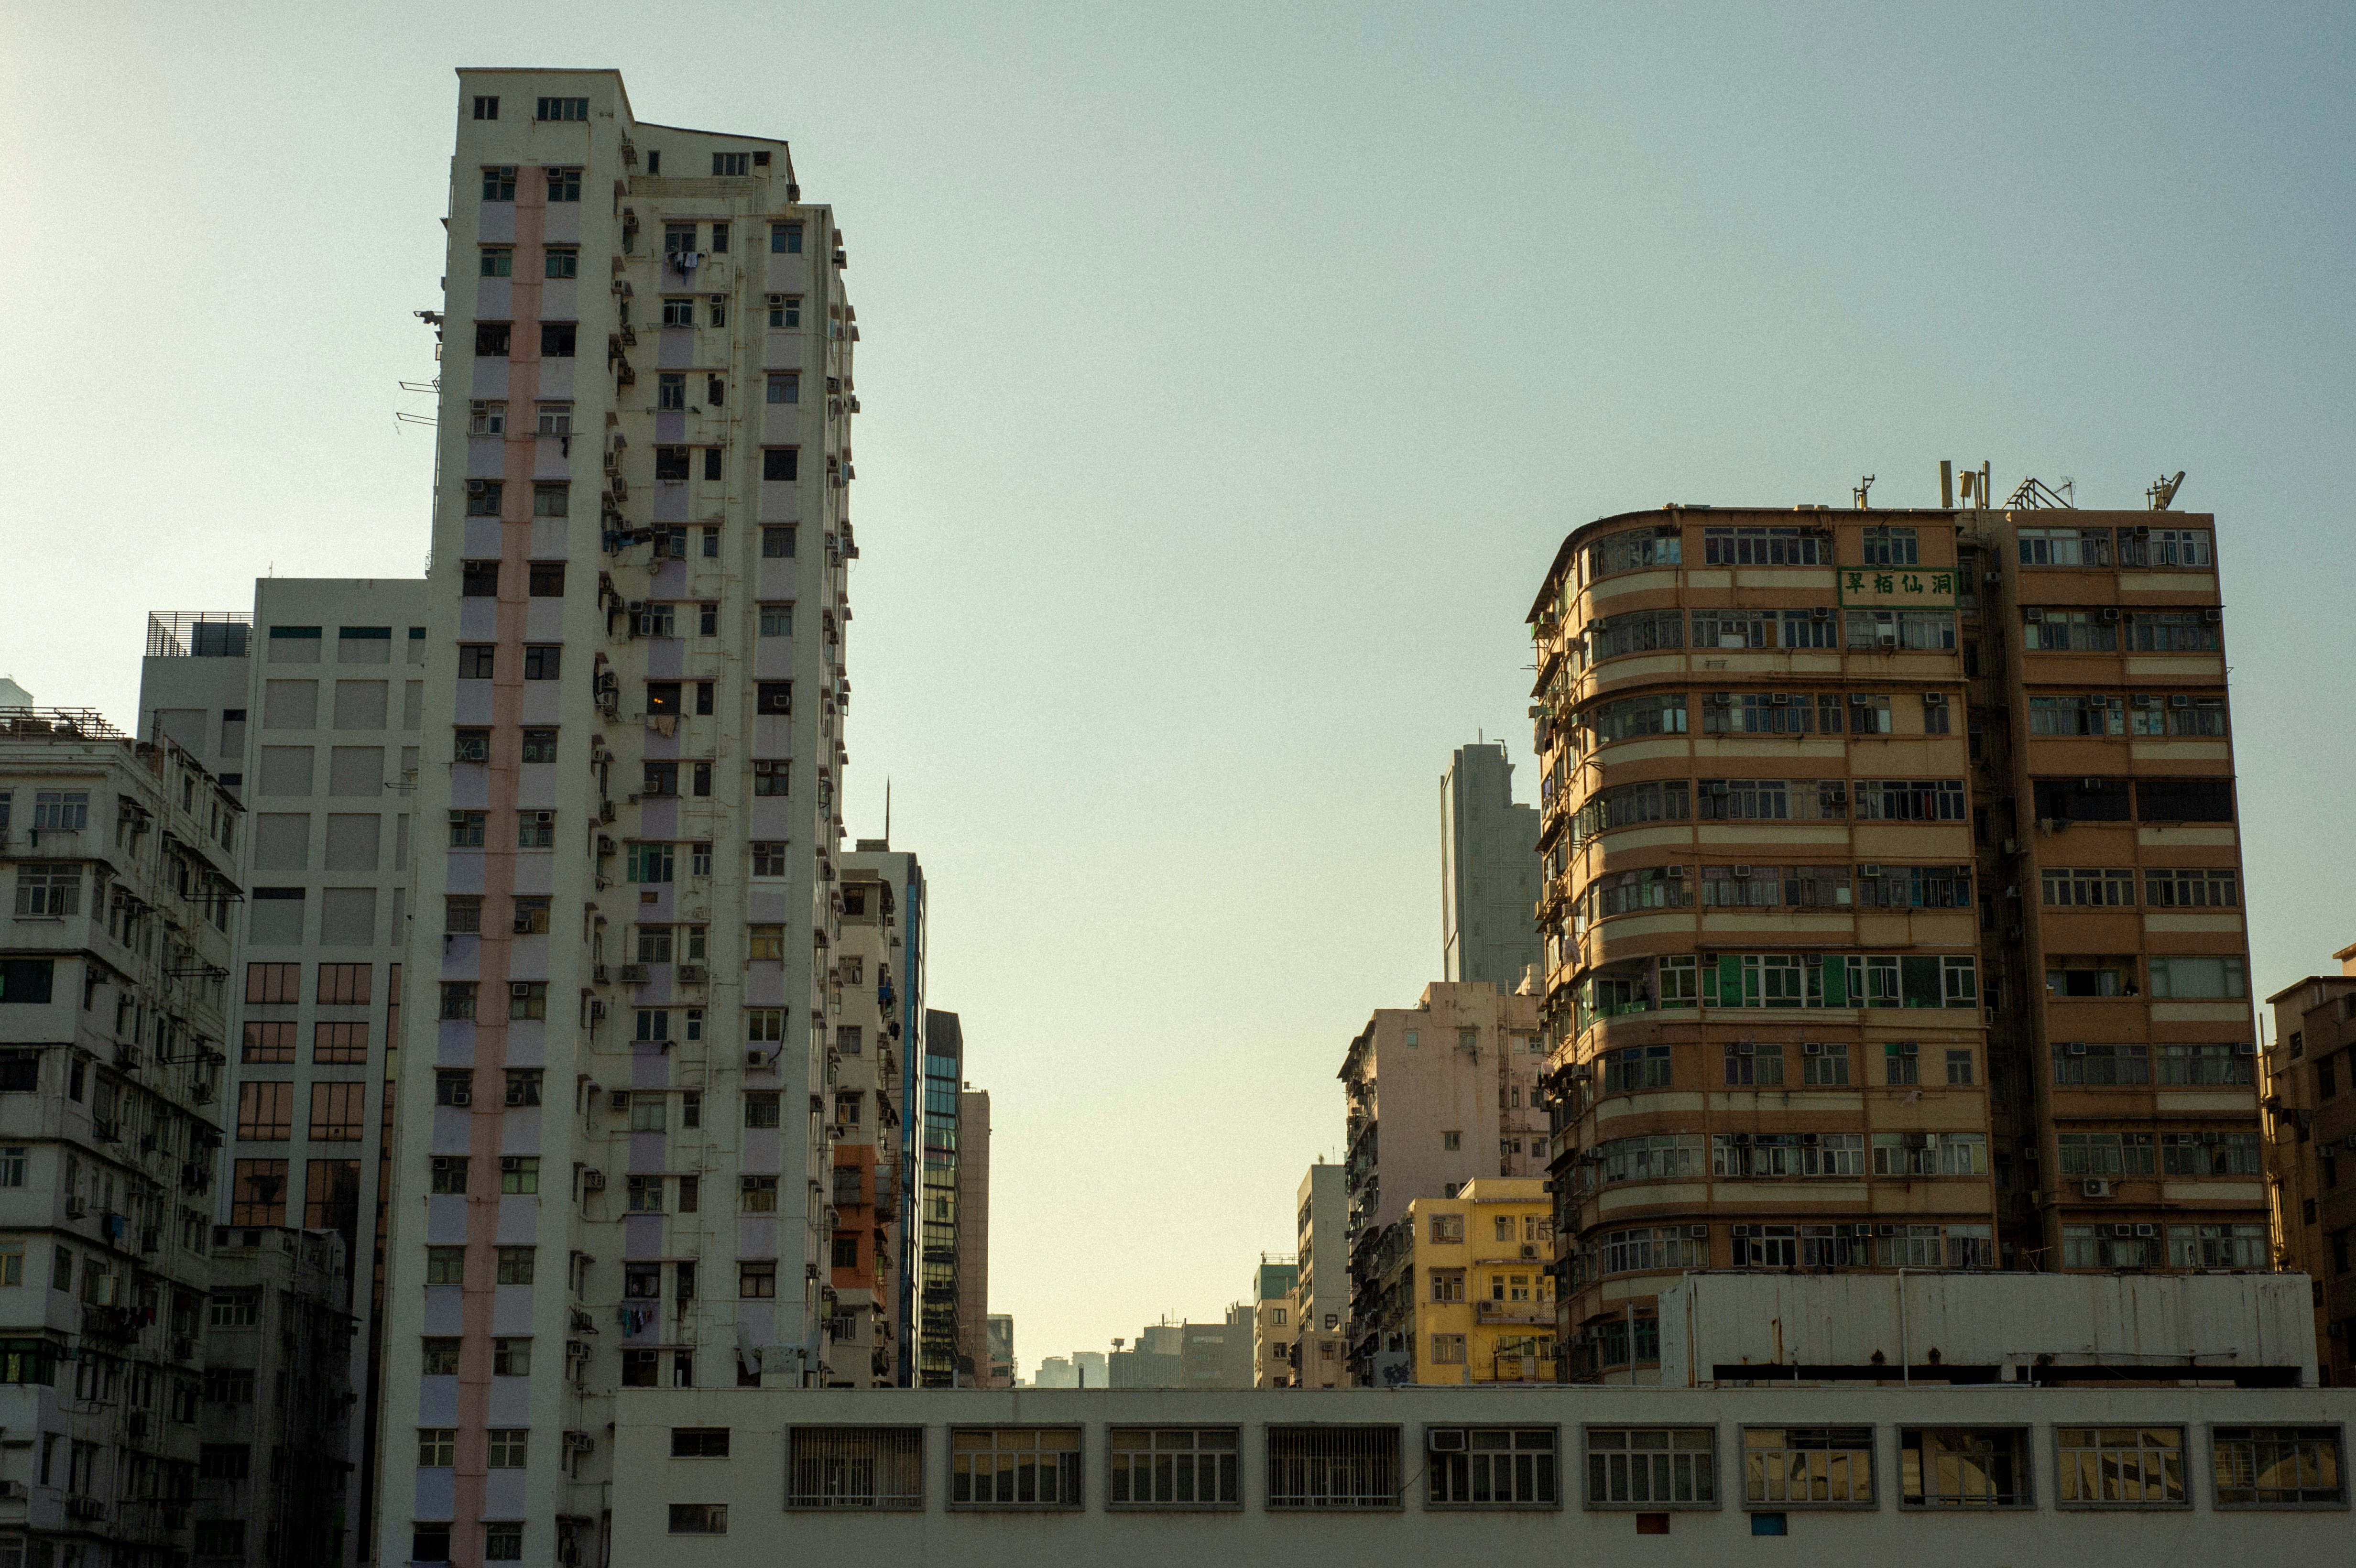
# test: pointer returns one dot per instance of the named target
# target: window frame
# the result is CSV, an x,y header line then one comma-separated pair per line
x,y
2024,1472
1587,1454
1357,1504
908,1444
1071,1467
1151,1431
2340,1442
2064,1503
1871,1449
1431,1468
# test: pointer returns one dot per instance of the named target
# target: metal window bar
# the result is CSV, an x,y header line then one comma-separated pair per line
x,y
855,1467
1332,1467
183,634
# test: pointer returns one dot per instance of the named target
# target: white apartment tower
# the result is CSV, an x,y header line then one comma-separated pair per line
x,y
612,1138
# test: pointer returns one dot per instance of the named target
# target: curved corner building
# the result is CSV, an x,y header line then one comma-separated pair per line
x,y
1889,903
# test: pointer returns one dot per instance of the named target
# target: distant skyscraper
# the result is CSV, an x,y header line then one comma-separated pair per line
x,y
1489,871
973,1237
936,1296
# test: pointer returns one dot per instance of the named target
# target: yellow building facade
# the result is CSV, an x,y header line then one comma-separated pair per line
x,y
1483,1295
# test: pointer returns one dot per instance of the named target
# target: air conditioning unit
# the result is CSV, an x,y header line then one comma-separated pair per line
x,y
11,1491
1869,871
2110,615
2034,617
1529,1250
691,973
756,1059
600,976
2089,786
1676,873
1447,1440
1698,1232
519,987
1720,786
2012,845
1812,1048
606,844
1780,699
2139,700
475,486
2095,1186
2211,616
634,974
592,1181
1821,612
2147,1229
76,1208
1742,870
1908,1048
2179,701
618,1101
2250,1047
597,1008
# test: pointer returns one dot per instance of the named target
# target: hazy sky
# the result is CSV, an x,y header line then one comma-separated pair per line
x,y
1231,373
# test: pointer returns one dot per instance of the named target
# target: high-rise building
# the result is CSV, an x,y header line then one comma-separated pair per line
x,y
114,976
1275,1283
1962,985
999,1335
878,955
272,1480
1488,872
2311,1151
310,707
973,1237
893,955
616,1145
938,1339
1438,1095
1321,1297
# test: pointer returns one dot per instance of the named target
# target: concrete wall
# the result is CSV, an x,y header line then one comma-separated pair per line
x,y
748,1482
2226,1320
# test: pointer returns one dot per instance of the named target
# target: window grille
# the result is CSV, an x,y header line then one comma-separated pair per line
x,y
1332,1467
855,1466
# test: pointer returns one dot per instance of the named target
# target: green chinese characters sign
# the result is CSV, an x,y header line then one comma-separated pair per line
x,y
1897,587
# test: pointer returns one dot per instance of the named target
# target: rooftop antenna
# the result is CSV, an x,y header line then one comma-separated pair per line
x,y
1864,487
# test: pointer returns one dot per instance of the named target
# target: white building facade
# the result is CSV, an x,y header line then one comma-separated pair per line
x,y
613,1127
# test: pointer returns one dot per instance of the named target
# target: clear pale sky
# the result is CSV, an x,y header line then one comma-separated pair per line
x,y
1231,373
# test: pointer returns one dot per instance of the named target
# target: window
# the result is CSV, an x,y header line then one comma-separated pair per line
x,y
450,1173
498,261
699,1443
2218,1246
758,1194
1173,1468
1910,630
770,778
503,1543
1332,1467
273,982
765,944
560,261
651,862
343,985
257,1192
2174,631
225,1462
510,1358
1953,1468
491,338
2056,631
785,239
851,1467
1635,1068
1825,1065
1490,1466
1749,1063
265,1112
498,182
49,891
670,393
437,1448
1890,546
542,661
2113,888
756,1281
769,858
1900,800
1804,1464
2206,1065
2064,547
1765,547
2219,976
475,661
441,1358
563,184
1651,1466
518,1173
699,1519
563,109
510,1447
2278,1466
269,1043
339,1113
516,1265
2078,1064
2114,1467
780,464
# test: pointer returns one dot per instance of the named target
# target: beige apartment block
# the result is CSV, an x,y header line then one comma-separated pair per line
x,y
1439,1095
1891,911
869,1062
2310,1120
1320,1299
615,1131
